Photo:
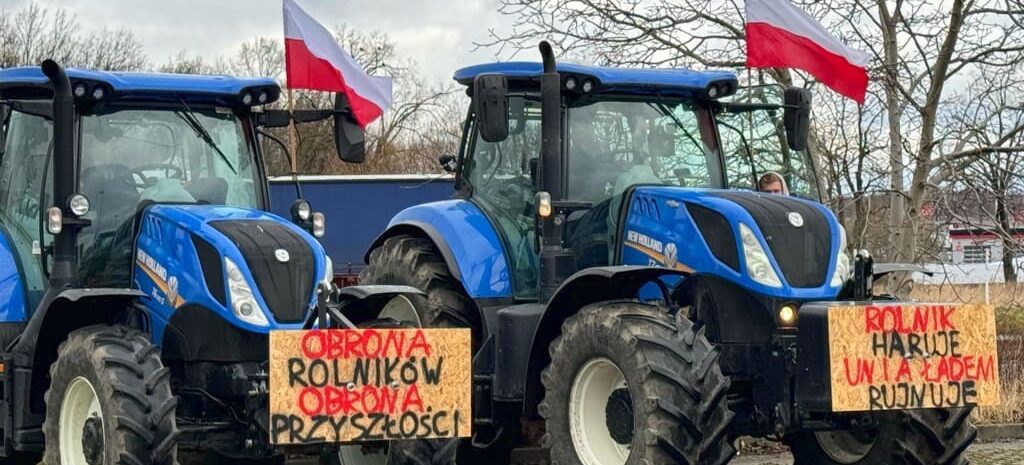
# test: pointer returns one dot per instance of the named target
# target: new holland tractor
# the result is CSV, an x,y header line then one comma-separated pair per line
x,y
632,298
140,273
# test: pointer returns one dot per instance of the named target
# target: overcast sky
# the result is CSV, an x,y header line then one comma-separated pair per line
x,y
438,34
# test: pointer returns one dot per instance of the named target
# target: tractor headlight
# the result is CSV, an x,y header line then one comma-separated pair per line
x,y
759,267
842,261
243,303
319,224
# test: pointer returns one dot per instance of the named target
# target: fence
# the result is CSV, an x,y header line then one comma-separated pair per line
x,y
1008,300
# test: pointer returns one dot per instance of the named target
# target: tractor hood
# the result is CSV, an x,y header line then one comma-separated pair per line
x,y
781,246
235,261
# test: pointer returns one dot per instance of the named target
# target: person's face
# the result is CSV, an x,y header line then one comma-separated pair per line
x,y
772,188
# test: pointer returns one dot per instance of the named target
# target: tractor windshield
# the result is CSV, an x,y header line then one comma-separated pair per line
x,y
130,155
754,143
614,144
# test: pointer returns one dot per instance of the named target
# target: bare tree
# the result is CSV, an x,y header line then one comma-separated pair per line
x,y
988,114
34,33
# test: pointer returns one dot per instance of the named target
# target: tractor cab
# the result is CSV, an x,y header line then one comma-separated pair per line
x,y
134,215
141,139
621,128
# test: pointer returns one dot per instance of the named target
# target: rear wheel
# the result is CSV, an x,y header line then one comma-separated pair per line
x,y
911,437
109,401
630,384
415,261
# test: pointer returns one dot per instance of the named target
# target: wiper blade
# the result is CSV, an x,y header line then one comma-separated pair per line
x,y
200,130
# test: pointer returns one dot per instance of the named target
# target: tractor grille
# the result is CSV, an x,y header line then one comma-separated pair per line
x,y
803,254
286,287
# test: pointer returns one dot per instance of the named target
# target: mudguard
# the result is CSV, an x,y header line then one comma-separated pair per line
x,y
466,239
359,303
880,270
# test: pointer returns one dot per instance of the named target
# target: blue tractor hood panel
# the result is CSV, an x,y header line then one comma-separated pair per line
x,y
654,81
699,229
469,242
216,90
180,261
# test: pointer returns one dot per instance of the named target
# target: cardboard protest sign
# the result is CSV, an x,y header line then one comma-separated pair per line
x,y
905,356
369,385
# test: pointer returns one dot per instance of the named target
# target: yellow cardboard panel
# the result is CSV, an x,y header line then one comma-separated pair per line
x,y
369,385
903,356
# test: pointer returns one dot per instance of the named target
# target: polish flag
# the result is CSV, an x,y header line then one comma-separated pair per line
x,y
314,60
780,35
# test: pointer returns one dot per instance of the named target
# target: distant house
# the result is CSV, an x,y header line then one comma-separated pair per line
x,y
972,233
970,244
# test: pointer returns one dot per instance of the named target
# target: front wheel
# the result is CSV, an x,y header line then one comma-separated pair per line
x,y
109,402
911,437
630,384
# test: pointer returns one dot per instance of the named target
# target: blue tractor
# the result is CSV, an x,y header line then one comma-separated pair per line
x,y
633,299
140,270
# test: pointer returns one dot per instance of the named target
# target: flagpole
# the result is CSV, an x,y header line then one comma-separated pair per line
x,y
293,135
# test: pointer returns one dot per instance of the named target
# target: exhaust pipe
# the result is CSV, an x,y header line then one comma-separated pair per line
x,y
551,125
65,266
556,262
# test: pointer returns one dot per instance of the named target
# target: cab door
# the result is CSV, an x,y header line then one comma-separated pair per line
x,y
500,179
24,183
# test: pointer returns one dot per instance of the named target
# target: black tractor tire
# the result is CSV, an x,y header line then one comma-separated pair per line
x,y
415,261
909,437
672,376
133,391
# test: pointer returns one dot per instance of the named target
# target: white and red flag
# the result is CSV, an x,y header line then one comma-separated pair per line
x,y
314,60
780,35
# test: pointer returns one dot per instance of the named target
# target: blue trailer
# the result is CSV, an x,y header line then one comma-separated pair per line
x,y
373,199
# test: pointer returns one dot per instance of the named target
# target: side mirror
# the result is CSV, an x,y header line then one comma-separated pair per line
x,y
348,135
797,117
490,104
447,162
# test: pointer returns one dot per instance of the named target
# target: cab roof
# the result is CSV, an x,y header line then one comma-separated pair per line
x,y
29,82
613,80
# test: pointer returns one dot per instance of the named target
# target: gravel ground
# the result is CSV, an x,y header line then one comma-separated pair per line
x,y
992,453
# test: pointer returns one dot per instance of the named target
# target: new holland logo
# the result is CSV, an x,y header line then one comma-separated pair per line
x,y
796,219
282,255
671,255
172,288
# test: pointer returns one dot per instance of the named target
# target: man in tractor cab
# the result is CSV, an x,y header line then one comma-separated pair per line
x,y
772,182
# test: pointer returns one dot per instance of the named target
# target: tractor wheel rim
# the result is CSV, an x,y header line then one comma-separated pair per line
x,y
597,383
81,425
845,447
400,308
